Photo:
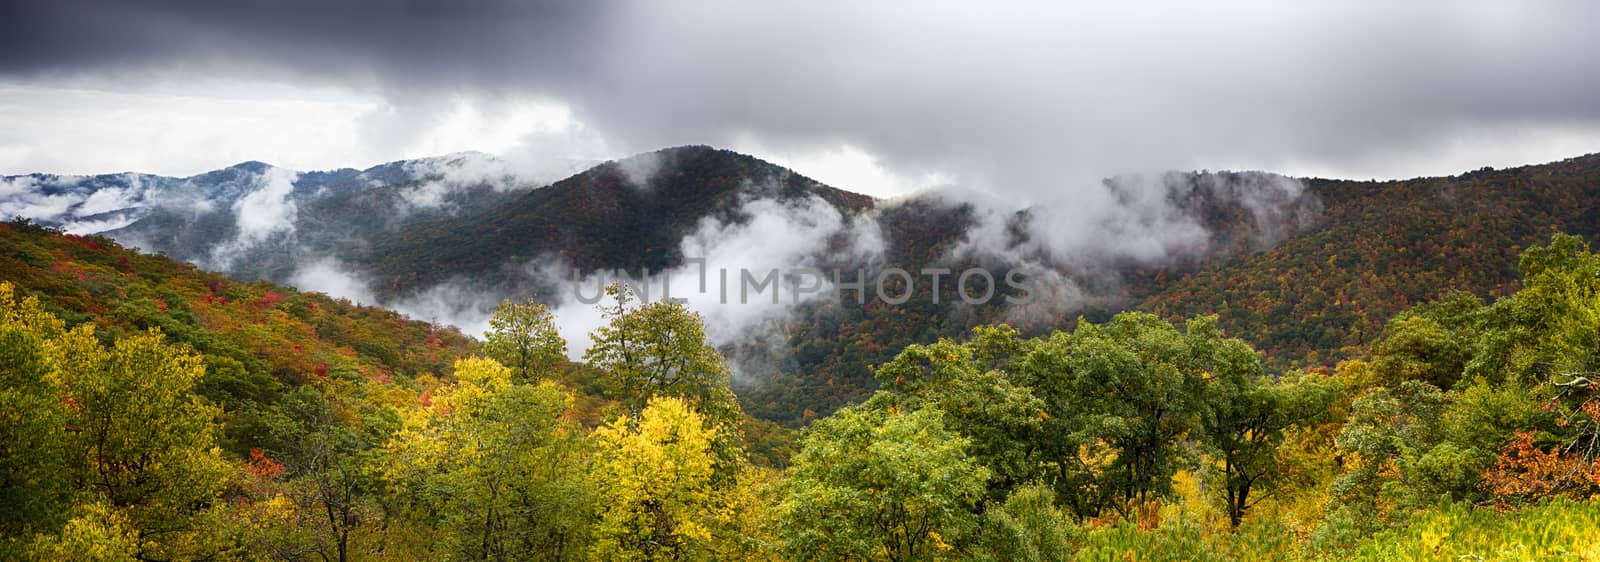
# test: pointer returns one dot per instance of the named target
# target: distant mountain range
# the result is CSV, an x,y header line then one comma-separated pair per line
x,y
1302,268
254,220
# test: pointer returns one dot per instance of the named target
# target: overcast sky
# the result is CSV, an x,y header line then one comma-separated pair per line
x,y
1026,101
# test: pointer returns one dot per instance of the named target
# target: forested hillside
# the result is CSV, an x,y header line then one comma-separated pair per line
x,y
258,341
147,414
1309,276
1382,247
832,348
447,237
627,215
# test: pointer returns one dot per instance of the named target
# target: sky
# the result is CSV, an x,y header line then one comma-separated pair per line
x,y
1023,101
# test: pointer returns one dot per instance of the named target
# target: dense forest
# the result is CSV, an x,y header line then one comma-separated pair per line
x,y
1309,276
1322,294
1382,247
150,411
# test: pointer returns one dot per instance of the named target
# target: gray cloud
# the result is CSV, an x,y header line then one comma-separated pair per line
x,y
441,42
1022,99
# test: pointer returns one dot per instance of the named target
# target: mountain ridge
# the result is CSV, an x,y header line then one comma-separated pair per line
x,y
1335,257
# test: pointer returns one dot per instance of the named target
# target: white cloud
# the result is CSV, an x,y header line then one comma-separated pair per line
x,y
264,211
106,126
267,209
785,237
97,226
21,197
327,275
846,166
13,187
640,169
40,206
106,131
106,200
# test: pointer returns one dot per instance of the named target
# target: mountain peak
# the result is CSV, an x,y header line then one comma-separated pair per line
x,y
252,166
455,158
643,169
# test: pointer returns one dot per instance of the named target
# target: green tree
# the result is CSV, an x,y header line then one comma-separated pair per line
x,y
523,337
1550,327
1001,419
660,349
1245,423
326,452
1383,440
1430,343
1027,527
873,484
1120,398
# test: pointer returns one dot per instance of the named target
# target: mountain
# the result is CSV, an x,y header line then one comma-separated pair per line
x,y
645,213
1193,219
259,340
258,221
624,215
448,237
328,407
1381,247
1307,268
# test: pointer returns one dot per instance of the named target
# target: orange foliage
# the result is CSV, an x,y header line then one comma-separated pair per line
x,y
262,466
1525,471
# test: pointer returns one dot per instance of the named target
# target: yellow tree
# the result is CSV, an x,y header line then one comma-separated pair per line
x,y
499,465
33,461
659,349
130,432
144,441
656,476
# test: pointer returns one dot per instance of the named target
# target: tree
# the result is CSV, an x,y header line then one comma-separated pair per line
x,y
1388,431
96,533
1000,418
1119,398
326,453
499,465
34,485
1027,527
1430,342
117,427
660,349
140,439
873,484
1564,459
1244,414
656,476
1550,327
1246,422
523,337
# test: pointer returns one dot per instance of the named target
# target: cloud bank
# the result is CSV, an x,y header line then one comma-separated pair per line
x,y
1026,101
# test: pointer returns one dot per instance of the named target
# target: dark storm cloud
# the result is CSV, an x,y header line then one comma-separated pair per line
x,y
437,43
1027,99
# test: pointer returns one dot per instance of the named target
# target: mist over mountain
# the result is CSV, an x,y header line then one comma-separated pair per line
x,y
256,220
719,280
447,238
